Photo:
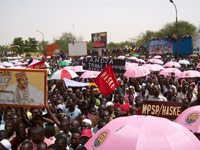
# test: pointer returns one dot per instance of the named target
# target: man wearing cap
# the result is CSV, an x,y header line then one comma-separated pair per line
x,y
22,93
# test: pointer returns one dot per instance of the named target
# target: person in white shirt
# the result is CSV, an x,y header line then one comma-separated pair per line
x,y
156,94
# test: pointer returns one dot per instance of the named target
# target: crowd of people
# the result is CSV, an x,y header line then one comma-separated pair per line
x,y
74,114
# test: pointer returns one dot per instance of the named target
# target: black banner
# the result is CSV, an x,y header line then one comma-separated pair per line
x,y
99,40
98,64
169,110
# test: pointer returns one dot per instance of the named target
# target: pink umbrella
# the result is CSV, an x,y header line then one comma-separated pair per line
x,y
156,61
157,57
169,71
63,73
133,58
153,67
141,60
171,64
130,65
189,74
90,74
198,66
136,72
190,118
75,68
143,133
48,57
121,57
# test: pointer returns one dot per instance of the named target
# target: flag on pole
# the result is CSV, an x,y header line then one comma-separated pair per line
x,y
38,65
106,81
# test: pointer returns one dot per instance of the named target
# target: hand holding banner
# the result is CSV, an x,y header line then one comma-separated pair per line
x,y
106,81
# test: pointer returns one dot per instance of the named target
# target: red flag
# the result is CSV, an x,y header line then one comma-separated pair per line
x,y
38,65
106,81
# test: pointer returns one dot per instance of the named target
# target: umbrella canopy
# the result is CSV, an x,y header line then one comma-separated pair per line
x,y
143,133
190,118
136,72
133,58
169,71
63,73
156,61
172,64
121,57
157,57
153,67
130,65
7,64
63,63
184,62
189,74
90,74
194,56
135,55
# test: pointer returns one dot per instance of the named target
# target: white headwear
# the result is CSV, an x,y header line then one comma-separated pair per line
x,y
87,121
109,104
6,144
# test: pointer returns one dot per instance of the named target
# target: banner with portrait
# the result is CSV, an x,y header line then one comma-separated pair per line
x,y
23,87
53,49
163,46
99,40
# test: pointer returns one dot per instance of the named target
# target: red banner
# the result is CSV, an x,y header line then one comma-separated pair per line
x,y
106,81
53,49
38,65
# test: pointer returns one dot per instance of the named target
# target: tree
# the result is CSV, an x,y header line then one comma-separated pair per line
x,y
31,45
20,46
184,28
64,40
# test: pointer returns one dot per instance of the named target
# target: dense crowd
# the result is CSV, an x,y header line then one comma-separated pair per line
x,y
74,114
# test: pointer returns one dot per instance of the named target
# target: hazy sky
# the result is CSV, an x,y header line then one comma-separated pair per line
x,y
122,19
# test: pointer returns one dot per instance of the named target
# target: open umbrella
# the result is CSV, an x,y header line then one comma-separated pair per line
x,y
189,74
184,62
135,55
190,118
136,72
63,73
143,133
169,71
121,57
156,61
63,63
153,67
172,64
194,56
157,57
90,74
7,64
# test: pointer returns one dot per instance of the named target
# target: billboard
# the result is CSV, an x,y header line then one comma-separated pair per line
x,y
23,87
197,42
53,49
163,46
77,49
99,40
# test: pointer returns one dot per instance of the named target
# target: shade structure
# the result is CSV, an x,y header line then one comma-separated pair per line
x,y
198,66
77,69
133,58
143,133
136,72
184,62
63,63
172,64
189,74
156,61
130,65
169,71
190,118
157,57
7,64
90,74
63,73
153,67
194,56
135,55
121,57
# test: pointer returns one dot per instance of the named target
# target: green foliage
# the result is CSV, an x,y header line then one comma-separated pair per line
x,y
31,45
64,40
89,44
184,28
3,48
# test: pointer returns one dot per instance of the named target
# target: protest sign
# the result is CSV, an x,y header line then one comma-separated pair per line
x,y
23,87
99,40
168,110
53,49
98,64
106,81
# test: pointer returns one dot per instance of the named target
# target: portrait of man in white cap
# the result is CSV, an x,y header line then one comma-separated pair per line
x,y
22,92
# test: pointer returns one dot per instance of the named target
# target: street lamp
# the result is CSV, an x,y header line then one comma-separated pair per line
x,y
177,48
43,41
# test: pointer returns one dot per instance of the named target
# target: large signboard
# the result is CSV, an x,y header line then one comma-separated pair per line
x,y
197,42
163,46
169,110
77,49
23,87
99,40
98,64
53,49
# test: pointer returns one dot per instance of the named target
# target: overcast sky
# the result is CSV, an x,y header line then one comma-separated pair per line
x,y
122,19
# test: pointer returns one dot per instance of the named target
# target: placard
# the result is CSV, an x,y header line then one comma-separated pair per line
x,y
99,40
77,49
98,64
23,87
169,110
